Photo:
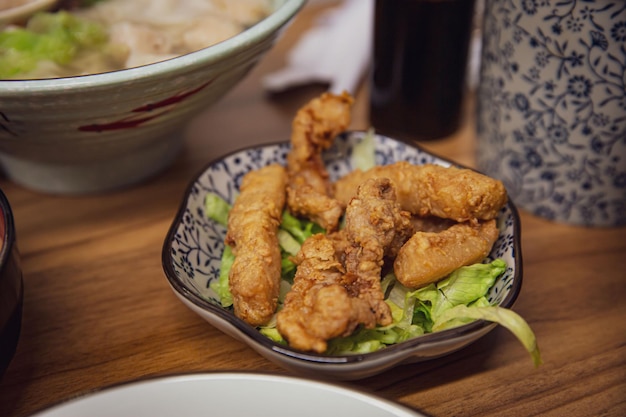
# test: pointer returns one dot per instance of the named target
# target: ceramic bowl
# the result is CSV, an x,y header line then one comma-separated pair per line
x,y
11,288
194,245
104,131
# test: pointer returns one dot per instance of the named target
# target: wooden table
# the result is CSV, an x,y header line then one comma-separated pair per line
x,y
98,309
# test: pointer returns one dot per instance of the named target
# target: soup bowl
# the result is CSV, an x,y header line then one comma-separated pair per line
x,y
11,288
104,131
193,248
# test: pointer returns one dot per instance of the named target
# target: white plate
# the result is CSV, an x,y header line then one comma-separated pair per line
x,y
229,394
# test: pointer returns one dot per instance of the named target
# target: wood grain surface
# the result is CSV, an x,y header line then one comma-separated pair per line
x,y
98,309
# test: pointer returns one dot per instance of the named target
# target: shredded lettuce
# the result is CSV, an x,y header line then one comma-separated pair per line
x,y
299,229
364,152
216,208
505,317
221,285
56,37
459,298
272,334
462,287
287,242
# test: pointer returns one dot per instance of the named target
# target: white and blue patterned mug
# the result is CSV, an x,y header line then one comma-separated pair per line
x,y
551,107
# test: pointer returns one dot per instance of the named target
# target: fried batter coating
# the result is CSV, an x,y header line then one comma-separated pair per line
x,y
253,221
318,306
329,300
309,192
432,190
377,228
428,257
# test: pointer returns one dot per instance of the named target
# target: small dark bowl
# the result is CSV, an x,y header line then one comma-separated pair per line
x,y
11,286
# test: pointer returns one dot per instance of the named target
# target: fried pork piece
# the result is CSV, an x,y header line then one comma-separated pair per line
x,y
329,300
432,190
377,229
318,306
253,221
428,257
313,130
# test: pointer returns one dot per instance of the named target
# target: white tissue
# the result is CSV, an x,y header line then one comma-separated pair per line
x,y
336,51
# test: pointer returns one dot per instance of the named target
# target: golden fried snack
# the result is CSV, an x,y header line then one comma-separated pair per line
x,y
432,190
376,228
318,306
428,257
253,221
329,300
313,130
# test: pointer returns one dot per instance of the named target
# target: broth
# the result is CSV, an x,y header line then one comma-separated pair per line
x,y
141,32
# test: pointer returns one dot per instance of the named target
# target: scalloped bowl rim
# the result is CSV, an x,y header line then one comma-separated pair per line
x,y
386,357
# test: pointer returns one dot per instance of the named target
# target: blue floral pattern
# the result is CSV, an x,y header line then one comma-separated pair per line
x,y
196,243
551,107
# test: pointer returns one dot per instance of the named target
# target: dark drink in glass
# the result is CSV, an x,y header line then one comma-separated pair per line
x,y
420,54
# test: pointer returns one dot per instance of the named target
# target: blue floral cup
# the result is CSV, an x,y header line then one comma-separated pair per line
x,y
551,107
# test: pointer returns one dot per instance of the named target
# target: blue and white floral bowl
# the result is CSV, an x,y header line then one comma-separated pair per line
x,y
194,244
552,107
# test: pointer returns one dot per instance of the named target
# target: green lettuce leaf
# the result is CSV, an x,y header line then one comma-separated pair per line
x,y
56,37
220,286
299,229
461,287
364,152
505,317
216,208
287,242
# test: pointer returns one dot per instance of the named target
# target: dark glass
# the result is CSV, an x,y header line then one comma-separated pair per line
x,y
418,77
11,286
